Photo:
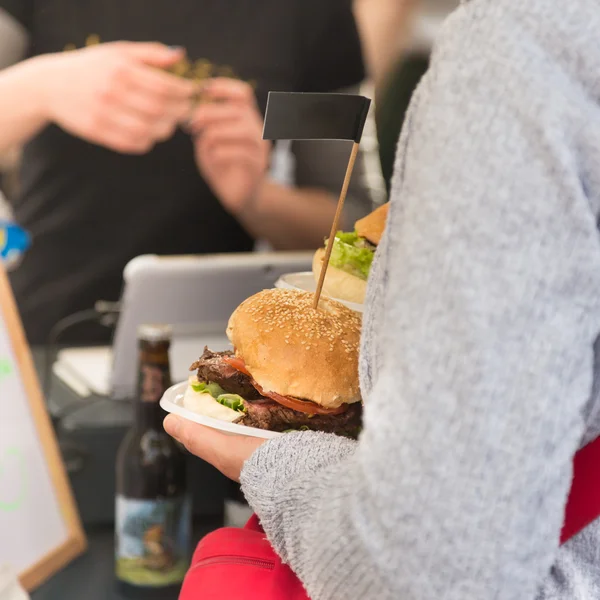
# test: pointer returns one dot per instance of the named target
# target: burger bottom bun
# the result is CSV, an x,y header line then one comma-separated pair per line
x,y
338,283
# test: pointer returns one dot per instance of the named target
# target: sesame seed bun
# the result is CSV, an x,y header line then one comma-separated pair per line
x,y
338,283
294,350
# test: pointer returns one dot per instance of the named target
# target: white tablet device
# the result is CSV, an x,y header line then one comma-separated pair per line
x,y
196,295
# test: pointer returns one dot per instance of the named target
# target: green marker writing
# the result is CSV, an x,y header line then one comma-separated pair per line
x,y
14,454
5,367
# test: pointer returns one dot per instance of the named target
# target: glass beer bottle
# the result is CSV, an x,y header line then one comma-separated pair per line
x,y
153,507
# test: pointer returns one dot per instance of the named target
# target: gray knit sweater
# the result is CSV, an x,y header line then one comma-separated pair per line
x,y
479,367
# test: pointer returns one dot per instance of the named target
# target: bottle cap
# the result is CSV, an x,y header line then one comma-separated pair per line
x,y
154,332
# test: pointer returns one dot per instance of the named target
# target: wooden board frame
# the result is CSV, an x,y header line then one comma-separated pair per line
x,y
76,542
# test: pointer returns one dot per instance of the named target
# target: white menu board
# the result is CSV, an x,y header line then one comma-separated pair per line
x,y
40,530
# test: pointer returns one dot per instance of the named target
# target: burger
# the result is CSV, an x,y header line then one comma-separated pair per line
x,y
351,258
292,367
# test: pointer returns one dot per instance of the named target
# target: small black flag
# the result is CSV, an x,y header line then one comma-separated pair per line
x,y
303,116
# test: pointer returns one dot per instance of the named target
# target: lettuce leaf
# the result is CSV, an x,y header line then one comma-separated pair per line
x,y
301,428
214,389
352,254
348,237
232,401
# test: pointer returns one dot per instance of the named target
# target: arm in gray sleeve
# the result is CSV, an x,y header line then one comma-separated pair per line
x,y
488,291
13,40
322,165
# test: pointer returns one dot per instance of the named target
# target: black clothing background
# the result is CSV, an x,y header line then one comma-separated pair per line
x,y
90,210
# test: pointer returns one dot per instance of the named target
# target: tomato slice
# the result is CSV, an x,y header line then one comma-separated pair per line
x,y
237,363
305,406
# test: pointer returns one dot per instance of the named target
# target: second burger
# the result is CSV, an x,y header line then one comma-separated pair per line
x,y
351,258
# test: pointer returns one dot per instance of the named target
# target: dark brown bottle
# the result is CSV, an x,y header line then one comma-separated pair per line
x,y
153,507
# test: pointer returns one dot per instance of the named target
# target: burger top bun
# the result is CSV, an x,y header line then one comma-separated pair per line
x,y
372,226
295,350
338,283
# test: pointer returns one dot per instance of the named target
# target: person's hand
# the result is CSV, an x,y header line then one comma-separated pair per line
x,y
116,94
230,152
227,453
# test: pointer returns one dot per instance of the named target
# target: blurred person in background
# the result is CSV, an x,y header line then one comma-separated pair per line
x,y
480,356
397,38
116,163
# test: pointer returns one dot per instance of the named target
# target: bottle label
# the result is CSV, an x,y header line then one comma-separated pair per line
x,y
152,540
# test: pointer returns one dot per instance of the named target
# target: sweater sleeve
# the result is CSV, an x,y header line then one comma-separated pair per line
x,y
489,289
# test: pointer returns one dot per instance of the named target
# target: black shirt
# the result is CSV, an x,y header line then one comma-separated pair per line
x,y
90,210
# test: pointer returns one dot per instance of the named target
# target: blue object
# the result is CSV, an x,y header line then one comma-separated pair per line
x,y
14,241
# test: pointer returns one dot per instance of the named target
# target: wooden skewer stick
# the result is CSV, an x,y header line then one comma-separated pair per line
x,y
336,219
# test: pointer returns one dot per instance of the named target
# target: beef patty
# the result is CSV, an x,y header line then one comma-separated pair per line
x,y
266,414
211,367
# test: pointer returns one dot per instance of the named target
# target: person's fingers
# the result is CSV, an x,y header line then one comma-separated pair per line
x,y
156,108
210,113
161,85
164,129
120,141
241,132
129,132
234,154
199,440
226,89
153,53
226,453
123,142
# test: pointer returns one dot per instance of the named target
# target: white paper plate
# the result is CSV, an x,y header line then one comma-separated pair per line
x,y
305,281
172,402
